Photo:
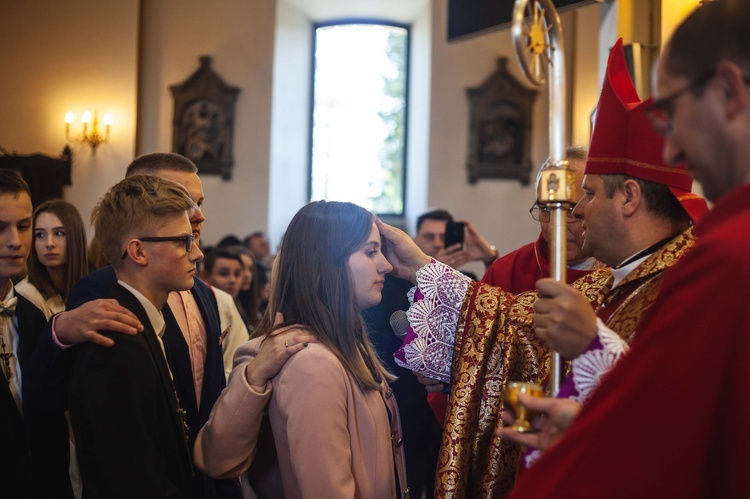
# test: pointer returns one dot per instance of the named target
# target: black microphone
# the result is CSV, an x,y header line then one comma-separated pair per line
x,y
399,323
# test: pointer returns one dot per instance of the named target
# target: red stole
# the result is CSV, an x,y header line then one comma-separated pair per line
x,y
519,270
496,343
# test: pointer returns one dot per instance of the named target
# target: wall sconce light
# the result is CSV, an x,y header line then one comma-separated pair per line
x,y
92,137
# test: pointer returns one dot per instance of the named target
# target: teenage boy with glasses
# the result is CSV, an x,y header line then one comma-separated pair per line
x,y
131,435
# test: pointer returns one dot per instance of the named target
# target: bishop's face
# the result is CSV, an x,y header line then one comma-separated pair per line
x,y
600,221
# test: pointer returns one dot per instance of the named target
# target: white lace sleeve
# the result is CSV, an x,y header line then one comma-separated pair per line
x,y
428,347
587,371
595,362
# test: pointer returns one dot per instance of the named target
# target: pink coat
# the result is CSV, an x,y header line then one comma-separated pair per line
x,y
332,438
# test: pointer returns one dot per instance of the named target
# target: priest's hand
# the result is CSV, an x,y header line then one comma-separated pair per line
x,y
275,350
557,416
402,252
83,323
564,318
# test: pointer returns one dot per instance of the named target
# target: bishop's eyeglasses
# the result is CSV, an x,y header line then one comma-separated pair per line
x,y
188,241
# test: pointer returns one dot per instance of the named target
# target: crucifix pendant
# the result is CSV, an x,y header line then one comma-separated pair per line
x,y
5,357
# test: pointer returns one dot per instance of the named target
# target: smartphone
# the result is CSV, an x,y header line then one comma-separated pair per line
x,y
454,234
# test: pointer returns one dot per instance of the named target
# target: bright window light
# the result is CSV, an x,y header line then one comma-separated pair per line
x,y
359,115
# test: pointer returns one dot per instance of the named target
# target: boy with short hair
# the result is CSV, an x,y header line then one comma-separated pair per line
x,y
34,452
129,427
223,268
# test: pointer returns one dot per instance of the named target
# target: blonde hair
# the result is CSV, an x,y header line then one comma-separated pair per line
x,y
137,203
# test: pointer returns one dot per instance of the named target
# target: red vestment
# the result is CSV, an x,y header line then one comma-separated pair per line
x,y
495,342
516,272
519,270
671,419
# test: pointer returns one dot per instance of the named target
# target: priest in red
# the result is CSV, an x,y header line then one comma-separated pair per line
x,y
636,212
671,419
519,270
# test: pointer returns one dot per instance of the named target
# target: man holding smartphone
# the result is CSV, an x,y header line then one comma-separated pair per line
x,y
450,242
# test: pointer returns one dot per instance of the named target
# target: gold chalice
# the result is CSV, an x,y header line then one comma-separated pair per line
x,y
522,424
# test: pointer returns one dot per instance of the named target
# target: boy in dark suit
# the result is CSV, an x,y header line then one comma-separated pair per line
x,y
193,332
130,429
34,452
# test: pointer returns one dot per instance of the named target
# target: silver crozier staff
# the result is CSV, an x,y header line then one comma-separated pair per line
x,y
537,36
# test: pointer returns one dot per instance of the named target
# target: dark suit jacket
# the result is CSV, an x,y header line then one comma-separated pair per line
x,y
421,430
129,435
50,383
34,450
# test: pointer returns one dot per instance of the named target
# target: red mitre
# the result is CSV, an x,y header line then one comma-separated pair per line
x,y
624,142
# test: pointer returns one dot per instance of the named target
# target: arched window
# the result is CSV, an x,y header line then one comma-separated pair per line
x,y
359,113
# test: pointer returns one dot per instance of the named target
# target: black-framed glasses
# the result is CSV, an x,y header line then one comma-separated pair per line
x,y
542,213
188,241
661,111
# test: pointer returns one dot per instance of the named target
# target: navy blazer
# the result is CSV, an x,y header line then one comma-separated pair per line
x,y
130,437
50,382
38,440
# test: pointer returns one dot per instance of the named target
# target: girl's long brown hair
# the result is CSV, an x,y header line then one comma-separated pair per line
x,y
77,265
311,285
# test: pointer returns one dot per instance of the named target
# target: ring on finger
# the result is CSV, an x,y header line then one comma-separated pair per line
x,y
286,343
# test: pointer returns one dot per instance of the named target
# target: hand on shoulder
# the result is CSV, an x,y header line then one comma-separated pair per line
x,y
274,351
84,323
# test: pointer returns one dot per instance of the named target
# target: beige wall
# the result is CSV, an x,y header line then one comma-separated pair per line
x,y
585,83
70,56
290,123
239,36
87,55
77,55
497,208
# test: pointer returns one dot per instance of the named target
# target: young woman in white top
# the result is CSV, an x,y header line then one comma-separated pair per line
x,y
58,257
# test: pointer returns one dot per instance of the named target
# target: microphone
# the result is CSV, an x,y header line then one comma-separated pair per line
x,y
399,323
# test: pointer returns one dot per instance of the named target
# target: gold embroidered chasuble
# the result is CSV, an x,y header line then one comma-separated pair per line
x,y
495,343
